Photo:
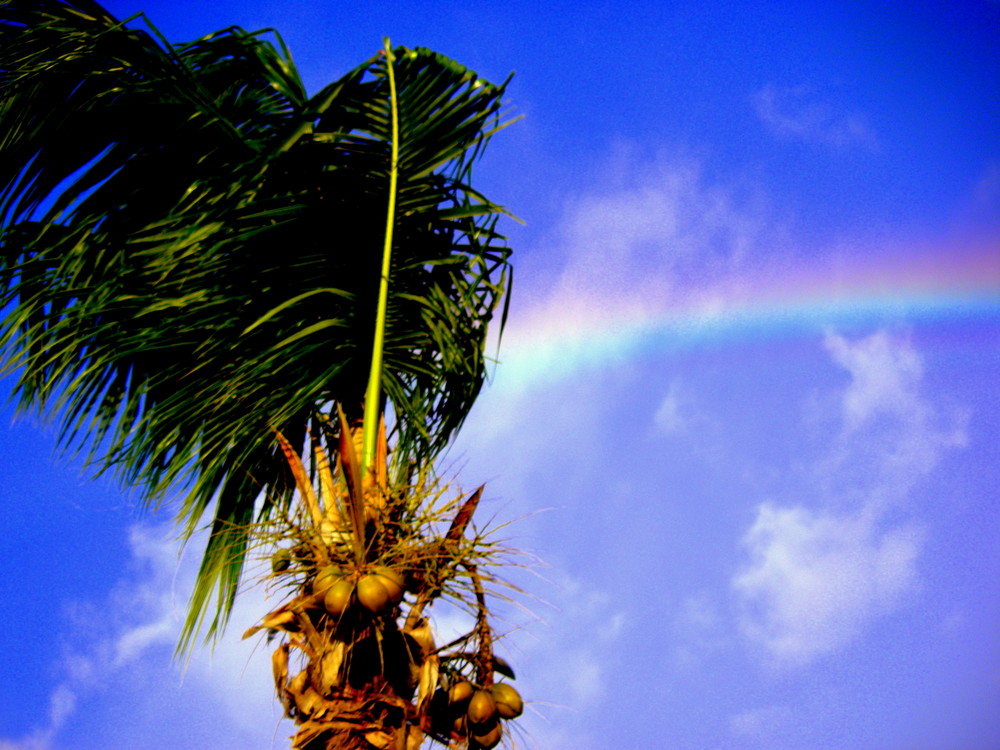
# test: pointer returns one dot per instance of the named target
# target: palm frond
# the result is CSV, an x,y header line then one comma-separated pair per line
x,y
190,249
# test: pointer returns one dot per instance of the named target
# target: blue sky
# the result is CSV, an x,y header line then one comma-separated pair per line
x,y
746,416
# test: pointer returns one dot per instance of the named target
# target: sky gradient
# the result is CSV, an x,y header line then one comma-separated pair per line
x,y
745,420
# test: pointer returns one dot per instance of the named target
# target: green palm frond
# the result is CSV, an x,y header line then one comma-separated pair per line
x,y
190,251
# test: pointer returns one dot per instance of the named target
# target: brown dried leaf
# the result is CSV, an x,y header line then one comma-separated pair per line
x,y
350,464
301,606
380,739
279,619
327,485
428,683
414,738
279,666
276,620
291,696
330,667
299,683
464,515
309,702
421,632
333,734
301,479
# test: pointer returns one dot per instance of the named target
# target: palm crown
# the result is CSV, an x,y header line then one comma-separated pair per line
x,y
190,251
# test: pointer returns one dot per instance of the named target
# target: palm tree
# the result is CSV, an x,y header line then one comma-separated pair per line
x,y
193,264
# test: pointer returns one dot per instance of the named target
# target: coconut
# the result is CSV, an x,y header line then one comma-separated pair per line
x,y
460,692
373,595
392,581
281,560
326,577
482,708
508,700
487,739
338,597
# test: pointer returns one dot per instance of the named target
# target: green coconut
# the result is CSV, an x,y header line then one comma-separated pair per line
x,y
487,739
460,693
326,577
337,598
508,700
373,595
482,708
281,560
392,581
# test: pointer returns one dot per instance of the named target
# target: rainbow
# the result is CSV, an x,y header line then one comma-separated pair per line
x,y
954,294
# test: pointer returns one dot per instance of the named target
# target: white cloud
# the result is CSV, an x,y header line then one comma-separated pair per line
x,y
584,667
800,112
623,242
761,723
111,635
573,661
133,643
814,581
700,631
885,375
62,704
654,238
892,435
120,650
668,417
821,571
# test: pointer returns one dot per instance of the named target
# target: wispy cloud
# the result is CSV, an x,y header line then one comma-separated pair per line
x,y
670,417
573,659
653,235
761,723
802,113
819,573
120,650
885,375
892,434
815,580
700,628
62,704
109,636
652,216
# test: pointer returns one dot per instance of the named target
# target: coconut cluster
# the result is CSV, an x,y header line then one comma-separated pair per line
x,y
473,713
378,590
356,658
